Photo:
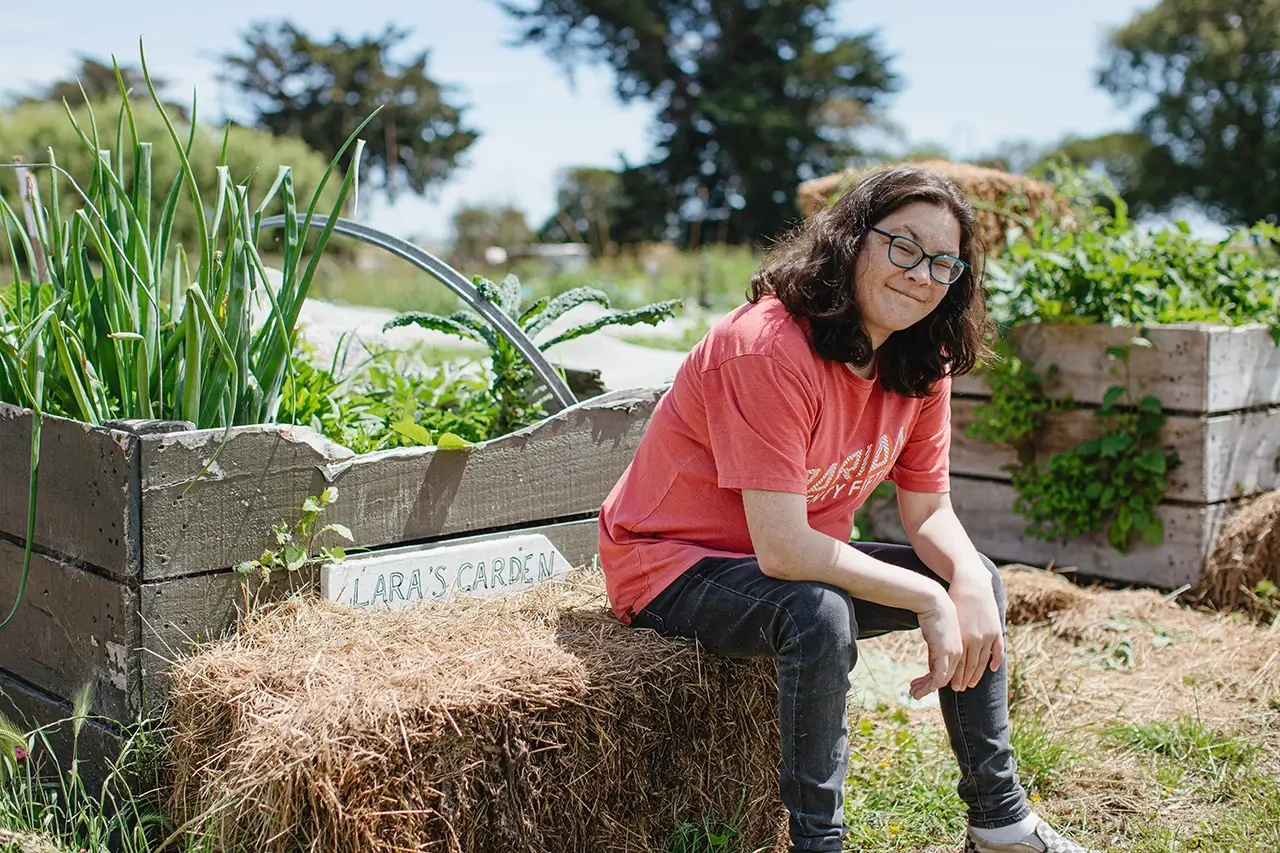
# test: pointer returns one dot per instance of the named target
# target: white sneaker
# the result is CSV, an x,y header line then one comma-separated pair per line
x,y
1041,840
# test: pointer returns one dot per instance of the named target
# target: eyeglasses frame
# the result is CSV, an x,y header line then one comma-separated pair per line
x,y
925,256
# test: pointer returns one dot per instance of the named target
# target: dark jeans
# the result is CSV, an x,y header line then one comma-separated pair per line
x,y
732,608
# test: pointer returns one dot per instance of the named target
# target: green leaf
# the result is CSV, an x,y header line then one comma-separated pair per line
x,y
248,567
340,529
414,432
434,322
449,441
1153,532
311,504
1113,443
328,496
562,304
1112,396
650,314
1153,461
295,557
1150,405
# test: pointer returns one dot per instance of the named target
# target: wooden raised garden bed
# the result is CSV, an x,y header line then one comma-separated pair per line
x,y
1220,388
134,550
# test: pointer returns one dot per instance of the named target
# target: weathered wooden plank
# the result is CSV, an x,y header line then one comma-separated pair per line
x,y
1192,367
1244,368
559,468
73,627
29,708
86,505
179,613
1220,457
985,509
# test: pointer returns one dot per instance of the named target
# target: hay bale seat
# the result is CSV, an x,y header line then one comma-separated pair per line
x,y
985,187
534,723
1247,551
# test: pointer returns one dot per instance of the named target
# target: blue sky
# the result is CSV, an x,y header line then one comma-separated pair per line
x,y
1013,70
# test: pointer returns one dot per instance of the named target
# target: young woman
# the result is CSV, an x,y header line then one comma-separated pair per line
x,y
731,526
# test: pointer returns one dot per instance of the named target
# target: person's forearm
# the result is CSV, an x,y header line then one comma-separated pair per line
x,y
815,556
941,543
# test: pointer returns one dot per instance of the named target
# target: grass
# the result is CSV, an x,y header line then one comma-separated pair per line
x,y
394,284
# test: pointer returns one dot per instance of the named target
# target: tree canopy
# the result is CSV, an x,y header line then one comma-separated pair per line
x,y
1207,73
587,201
752,97
320,91
96,80
478,227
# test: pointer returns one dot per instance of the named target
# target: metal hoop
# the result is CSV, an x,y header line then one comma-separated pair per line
x,y
455,281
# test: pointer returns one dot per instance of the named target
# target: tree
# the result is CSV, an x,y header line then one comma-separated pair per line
x,y
587,200
752,98
1119,156
98,81
1210,72
477,227
321,91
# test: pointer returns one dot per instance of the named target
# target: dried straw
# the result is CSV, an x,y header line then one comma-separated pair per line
x,y
1100,658
533,723
24,842
987,188
1247,551
1099,655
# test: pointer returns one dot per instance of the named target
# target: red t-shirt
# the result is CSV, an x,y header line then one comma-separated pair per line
x,y
754,406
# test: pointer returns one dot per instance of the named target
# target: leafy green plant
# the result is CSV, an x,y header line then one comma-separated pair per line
x,y
1106,269
296,544
1113,481
107,317
390,399
1016,410
41,798
512,389
1097,266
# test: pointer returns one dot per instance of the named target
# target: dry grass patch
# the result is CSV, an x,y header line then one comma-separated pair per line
x,y
534,723
1164,718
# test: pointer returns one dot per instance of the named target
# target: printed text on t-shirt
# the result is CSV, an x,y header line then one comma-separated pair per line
x,y
860,471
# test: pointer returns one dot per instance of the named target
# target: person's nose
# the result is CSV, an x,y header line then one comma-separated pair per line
x,y
919,274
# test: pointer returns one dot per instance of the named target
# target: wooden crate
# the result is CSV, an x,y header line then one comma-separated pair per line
x,y
1220,388
135,548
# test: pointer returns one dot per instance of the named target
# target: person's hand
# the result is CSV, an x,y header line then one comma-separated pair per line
x,y
980,629
941,630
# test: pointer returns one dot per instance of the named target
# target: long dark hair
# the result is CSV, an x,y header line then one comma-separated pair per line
x,y
811,272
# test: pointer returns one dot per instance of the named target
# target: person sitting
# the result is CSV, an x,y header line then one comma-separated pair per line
x,y
731,525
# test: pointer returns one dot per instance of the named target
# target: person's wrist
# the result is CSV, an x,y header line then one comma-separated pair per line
x,y
969,576
932,596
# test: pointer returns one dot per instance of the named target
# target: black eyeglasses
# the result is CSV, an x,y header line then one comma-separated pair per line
x,y
907,254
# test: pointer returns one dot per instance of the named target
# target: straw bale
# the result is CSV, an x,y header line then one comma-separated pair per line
x,y
532,723
987,188
1034,595
1247,551
25,842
